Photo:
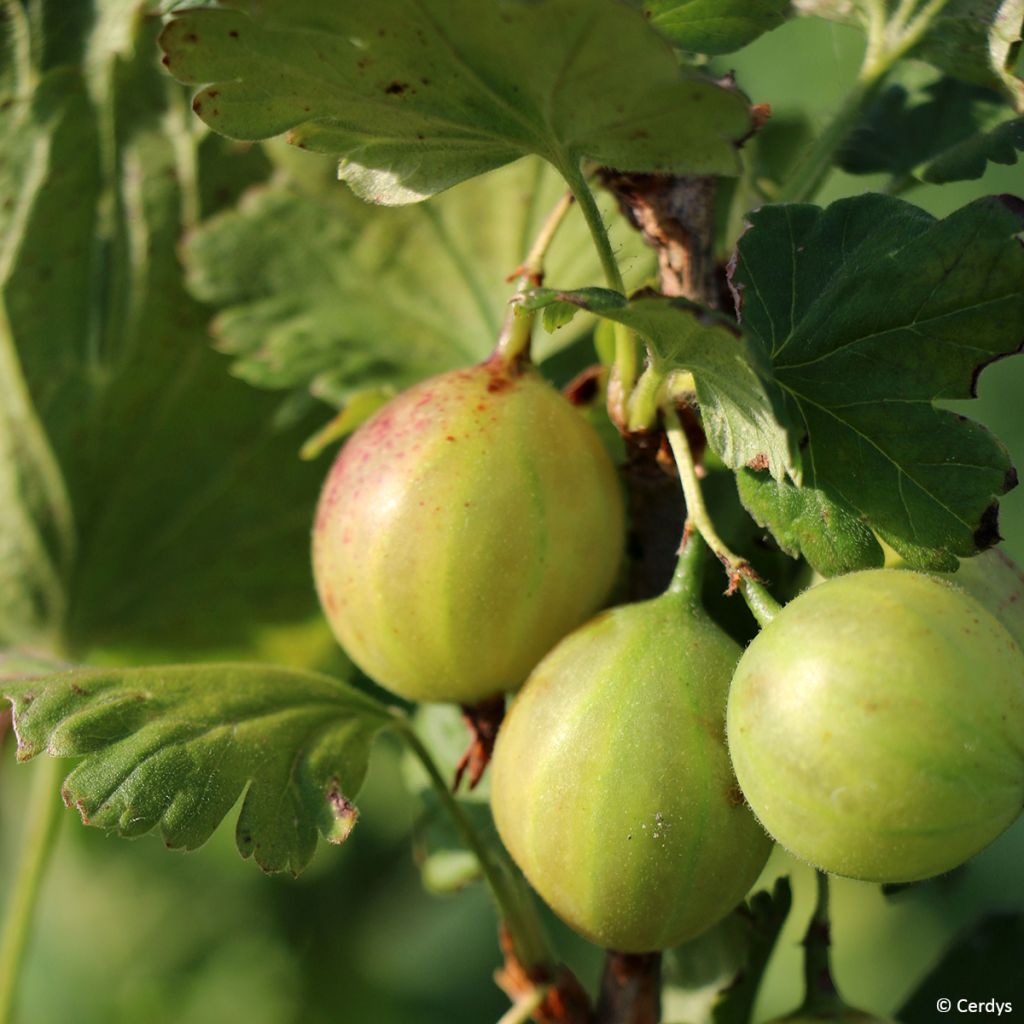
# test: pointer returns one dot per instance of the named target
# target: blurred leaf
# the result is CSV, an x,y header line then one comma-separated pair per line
x,y
715,26
738,400
978,41
715,978
418,95
185,496
445,864
330,294
863,376
982,964
39,129
176,747
356,411
969,159
905,127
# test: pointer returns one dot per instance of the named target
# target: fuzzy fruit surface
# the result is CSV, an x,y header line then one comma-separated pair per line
x,y
463,530
611,785
876,726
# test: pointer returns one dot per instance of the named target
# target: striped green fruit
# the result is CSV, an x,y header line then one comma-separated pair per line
x,y
463,530
611,785
876,726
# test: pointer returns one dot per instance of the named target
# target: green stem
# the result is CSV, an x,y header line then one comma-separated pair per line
x,y
741,575
689,572
44,809
810,172
625,344
643,402
514,341
513,901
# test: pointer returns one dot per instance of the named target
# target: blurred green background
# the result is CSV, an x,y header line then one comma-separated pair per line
x,y
128,932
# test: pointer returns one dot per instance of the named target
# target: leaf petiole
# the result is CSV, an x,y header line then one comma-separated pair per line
x,y
741,574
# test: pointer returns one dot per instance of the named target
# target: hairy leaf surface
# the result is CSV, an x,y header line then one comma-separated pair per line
x,y
175,747
871,312
418,95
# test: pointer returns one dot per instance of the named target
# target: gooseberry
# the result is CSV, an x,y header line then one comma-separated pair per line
x,y
464,529
611,785
876,726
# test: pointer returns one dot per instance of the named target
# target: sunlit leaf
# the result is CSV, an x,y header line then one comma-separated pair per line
x,y
174,748
872,311
418,95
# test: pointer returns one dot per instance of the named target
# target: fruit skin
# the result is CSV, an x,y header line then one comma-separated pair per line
x,y
876,726
611,785
464,529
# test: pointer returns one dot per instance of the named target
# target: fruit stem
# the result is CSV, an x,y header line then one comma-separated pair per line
x,y
742,576
820,994
514,341
689,574
44,807
625,365
514,902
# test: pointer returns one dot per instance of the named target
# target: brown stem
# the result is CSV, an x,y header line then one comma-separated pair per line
x,y
630,989
565,1001
483,721
676,215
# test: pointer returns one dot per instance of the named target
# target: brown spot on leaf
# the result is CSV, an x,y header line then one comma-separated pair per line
x,y
191,37
78,691
758,463
83,812
396,88
1010,480
197,105
233,34
987,533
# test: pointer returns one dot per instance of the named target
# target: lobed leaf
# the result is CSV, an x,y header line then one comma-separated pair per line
x,y
739,402
174,748
318,291
871,312
715,26
418,95
969,159
911,124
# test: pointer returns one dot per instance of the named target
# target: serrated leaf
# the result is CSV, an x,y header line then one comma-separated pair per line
x,y
418,95
715,26
175,747
332,295
739,403
969,159
872,311
909,125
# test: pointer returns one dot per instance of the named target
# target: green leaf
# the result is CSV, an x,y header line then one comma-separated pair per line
x,y
978,41
872,311
739,403
174,748
186,497
36,523
715,26
909,125
982,964
968,159
418,95
320,291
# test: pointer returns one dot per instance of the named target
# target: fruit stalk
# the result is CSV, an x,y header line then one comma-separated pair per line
x,y
630,989
741,574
